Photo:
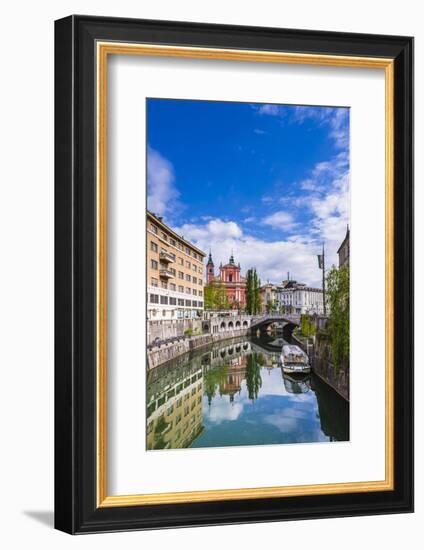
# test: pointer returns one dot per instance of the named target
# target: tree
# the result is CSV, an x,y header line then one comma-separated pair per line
x,y
307,326
253,297
271,306
215,296
338,322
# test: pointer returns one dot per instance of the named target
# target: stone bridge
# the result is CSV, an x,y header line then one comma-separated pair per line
x,y
269,318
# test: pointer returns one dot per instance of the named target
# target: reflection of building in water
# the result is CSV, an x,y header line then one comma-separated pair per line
x,y
227,367
220,354
174,407
236,373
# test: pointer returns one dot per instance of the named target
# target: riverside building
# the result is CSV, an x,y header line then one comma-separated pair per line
x,y
294,297
174,274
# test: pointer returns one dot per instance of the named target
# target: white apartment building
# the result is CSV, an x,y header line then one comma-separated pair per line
x,y
298,298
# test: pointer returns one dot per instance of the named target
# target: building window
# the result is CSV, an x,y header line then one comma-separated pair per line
x,y
194,303
188,303
164,237
200,270
188,290
230,278
163,284
180,261
172,270
188,264
200,293
180,288
153,246
188,277
187,250
154,298
180,302
200,282
154,264
194,292
164,300
180,275
154,281
172,301
173,286
194,267
200,304
153,229
180,246
173,242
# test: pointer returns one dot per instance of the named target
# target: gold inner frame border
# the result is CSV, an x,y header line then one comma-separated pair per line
x,y
103,50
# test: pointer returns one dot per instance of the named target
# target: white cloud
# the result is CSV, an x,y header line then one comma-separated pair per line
x,y
162,195
267,199
336,118
280,220
267,109
271,259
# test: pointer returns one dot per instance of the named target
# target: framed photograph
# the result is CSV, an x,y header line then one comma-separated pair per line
x,y
234,274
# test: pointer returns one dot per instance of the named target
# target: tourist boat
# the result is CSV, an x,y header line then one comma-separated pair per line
x,y
294,360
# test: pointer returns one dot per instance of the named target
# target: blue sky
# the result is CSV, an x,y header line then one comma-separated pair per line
x,y
268,181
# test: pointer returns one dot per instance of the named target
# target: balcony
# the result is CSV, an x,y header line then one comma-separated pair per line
x,y
166,257
166,273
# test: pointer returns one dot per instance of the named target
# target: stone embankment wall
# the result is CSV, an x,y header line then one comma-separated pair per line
x,y
320,360
166,352
171,329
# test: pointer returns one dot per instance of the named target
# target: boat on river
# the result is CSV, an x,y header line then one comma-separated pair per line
x,y
294,360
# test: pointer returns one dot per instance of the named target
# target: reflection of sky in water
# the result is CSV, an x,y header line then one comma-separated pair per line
x,y
276,416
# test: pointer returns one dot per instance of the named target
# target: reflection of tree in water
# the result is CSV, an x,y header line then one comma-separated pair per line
x,y
333,411
253,375
213,379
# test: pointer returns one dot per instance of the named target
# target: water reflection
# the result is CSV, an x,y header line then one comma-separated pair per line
x,y
235,393
297,384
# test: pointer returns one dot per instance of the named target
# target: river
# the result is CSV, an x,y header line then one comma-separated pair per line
x,y
235,393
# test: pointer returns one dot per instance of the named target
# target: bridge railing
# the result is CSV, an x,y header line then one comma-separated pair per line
x,y
277,316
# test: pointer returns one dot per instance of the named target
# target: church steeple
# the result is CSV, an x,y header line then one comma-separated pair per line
x,y
232,258
210,268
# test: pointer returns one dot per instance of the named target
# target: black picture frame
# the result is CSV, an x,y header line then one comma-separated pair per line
x,y
76,510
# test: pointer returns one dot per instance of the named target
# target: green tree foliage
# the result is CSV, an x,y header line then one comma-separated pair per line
x,y
253,297
307,326
338,322
271,306
215,296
